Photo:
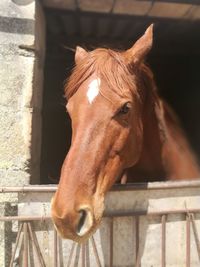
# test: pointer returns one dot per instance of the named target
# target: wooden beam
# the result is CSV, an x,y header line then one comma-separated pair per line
x,y
179,9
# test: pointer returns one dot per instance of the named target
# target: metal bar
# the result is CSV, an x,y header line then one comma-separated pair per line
x,y
76,261
137,240
24,218
71,254
116,187
36,245
122,213
136,236
156,185
111,214
83,255
25,251
196,237
188,240
55,248
87,254
27,189
60,252
16,245
95,251
163,246
111,241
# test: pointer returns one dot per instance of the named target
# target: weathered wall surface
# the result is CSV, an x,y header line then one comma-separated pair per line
x,y
22,36
21,60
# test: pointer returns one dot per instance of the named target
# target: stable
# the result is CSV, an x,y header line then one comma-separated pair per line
x,y
37,42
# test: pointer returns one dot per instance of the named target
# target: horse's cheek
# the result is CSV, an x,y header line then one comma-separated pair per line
x,y
132,149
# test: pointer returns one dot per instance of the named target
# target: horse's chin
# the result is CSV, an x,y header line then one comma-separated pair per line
x,y
66,234
77,238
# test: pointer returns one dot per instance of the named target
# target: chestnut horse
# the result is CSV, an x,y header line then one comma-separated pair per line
x,y
121,129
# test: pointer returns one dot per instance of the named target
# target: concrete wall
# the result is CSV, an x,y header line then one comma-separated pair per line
x,y
22,35
22,42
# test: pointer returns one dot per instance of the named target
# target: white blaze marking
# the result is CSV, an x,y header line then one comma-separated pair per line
x,y
93,90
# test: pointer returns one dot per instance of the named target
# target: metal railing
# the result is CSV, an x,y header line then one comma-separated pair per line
x,y
116,187
26,235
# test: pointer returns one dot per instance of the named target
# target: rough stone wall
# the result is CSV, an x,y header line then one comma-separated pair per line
x,y
21,31
22,42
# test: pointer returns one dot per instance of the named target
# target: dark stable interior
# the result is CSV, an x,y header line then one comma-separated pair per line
x,y
174,60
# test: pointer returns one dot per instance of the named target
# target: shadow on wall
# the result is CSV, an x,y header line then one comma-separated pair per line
x,y
138,239
125,246
123,239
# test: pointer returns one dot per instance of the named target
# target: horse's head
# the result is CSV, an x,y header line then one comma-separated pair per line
x,y
104,103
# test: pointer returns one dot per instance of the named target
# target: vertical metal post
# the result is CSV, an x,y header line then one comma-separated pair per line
x,y
16,245
137,240
87,255
77,257
196,237
55,248
163,240
60,251
25,252
83,255
95,251
71,254
188,240
111,242
36,245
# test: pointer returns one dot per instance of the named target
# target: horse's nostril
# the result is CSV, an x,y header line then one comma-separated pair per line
x,y
84,223
83,215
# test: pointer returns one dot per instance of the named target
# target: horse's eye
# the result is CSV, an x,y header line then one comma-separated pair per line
x,y
125,108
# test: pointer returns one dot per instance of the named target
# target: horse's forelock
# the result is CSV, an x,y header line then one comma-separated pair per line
x,y
108,65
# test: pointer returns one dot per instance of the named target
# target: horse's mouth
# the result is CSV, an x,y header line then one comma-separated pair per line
x,y
85,225
78,237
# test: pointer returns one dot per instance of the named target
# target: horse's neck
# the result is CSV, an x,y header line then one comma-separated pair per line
x,y
149,166
178,159
166,153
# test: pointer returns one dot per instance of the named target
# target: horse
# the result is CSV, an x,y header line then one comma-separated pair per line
x,y
121,129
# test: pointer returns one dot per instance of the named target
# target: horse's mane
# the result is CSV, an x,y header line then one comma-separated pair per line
x,y
110,65
106,64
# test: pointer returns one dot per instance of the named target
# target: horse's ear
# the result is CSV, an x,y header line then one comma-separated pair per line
x,y
80,54
136,54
